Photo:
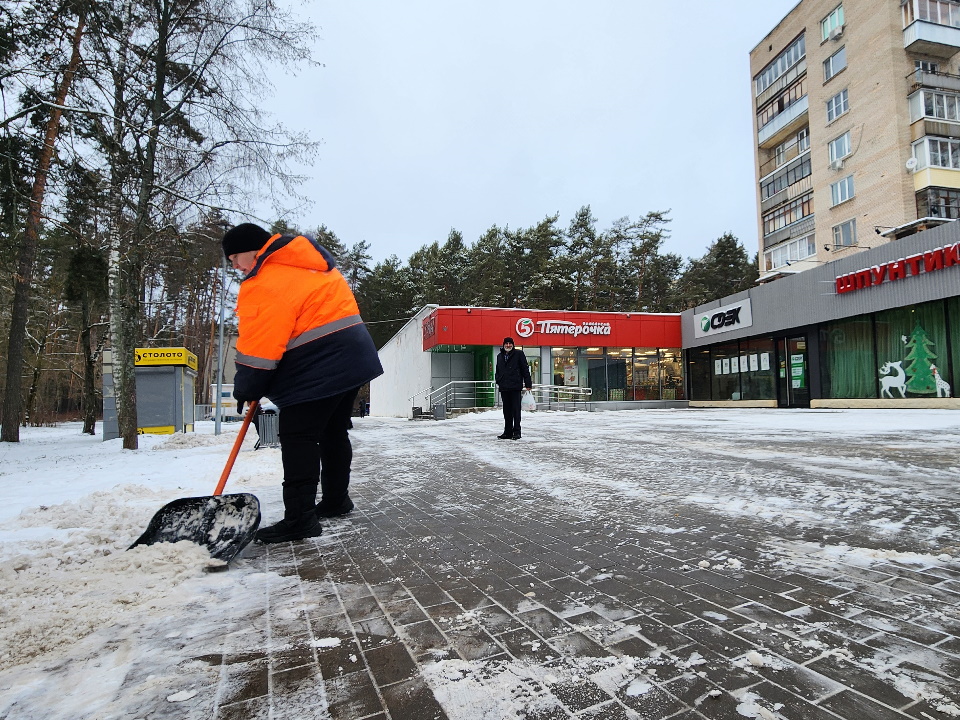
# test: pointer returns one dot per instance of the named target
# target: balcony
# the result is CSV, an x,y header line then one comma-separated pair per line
x,y
782,83
801,187
928,38
790,120
922,79
797,229
940,128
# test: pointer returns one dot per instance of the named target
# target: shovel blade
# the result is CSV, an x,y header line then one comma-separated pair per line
x,y
224,524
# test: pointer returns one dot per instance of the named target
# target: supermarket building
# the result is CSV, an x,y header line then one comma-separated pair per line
x,y
623,359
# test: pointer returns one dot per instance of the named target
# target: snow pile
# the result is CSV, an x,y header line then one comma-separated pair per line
x,y
68,588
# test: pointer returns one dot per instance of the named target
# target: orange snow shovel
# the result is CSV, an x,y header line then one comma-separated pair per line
x,y
224,524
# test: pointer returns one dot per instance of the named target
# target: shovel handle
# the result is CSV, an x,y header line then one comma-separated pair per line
x,y
251,411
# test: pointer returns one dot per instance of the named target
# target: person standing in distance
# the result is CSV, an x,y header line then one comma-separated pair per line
x,y
512,376
303,344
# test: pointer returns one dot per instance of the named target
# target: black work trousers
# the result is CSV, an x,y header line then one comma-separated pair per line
x,y
511,411
315,446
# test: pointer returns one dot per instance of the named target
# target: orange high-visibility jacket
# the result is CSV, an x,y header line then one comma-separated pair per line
x,y
301,335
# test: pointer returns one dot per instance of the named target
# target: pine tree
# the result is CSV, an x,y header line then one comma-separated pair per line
x,y
724,270
920,357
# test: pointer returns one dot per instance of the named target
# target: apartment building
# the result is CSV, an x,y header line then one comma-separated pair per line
x,y
857,127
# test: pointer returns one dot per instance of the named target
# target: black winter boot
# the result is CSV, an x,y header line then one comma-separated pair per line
x,y
299,519
326,509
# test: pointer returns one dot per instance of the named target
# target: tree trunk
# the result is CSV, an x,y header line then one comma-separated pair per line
x,y
10,432
28,413
122,330
89,396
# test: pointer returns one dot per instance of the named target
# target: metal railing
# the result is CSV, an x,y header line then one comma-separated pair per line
x,y
934,80
479,394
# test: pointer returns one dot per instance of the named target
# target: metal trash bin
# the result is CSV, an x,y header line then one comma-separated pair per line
x,y
268,427
440,411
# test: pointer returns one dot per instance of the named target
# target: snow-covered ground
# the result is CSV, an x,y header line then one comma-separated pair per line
x,y
91,630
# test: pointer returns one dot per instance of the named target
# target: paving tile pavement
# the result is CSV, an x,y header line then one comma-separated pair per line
x,y
665,610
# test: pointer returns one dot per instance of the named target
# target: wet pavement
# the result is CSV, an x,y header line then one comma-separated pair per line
x,y
639,566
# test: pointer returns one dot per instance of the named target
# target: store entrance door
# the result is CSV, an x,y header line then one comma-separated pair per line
x,y
793,382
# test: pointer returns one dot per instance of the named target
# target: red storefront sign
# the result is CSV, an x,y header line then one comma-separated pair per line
x,y
550,328
944,257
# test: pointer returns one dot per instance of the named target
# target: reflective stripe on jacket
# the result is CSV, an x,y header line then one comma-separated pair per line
x,y
301,334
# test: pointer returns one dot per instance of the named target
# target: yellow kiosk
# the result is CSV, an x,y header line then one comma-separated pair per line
x,y
165,391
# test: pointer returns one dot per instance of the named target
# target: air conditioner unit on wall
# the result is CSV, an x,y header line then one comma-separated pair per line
x,y
836,165
836,32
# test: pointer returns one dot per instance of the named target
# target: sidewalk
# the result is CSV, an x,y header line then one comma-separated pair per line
x,y
620,565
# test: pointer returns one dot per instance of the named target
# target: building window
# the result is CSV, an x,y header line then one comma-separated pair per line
x,y
937,152
837,106
783,62
803,140
832,21
790,252
835,63
938,203
783,180
926,66
841,191
788,214
840,147
845,234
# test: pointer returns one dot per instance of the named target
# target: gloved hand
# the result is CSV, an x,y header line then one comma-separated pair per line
x,y
240,407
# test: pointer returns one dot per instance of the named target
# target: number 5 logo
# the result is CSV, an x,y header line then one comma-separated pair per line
x,y
525,327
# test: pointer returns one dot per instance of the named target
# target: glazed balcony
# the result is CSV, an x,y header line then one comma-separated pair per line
x,y
931,27
790,120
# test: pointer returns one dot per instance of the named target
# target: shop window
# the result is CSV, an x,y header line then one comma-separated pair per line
x,y
593,368
646,378
619,373
911,341
726,372
671,375
847,361
758,369
565,368
700,373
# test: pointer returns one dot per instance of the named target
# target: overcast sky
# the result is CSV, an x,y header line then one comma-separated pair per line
x,y
440,114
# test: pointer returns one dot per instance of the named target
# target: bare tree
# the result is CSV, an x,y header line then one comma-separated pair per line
x,y
181,134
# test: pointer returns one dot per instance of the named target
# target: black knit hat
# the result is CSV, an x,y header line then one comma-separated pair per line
x,y
244,238
507,340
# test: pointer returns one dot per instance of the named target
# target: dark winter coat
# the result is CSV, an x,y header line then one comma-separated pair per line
x,y
301,337
513,373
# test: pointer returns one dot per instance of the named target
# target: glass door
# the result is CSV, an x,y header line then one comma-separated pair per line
x,y
793,377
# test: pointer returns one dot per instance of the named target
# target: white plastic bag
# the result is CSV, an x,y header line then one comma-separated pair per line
x,y
527,402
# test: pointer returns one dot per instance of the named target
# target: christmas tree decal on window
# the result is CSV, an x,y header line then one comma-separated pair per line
x,y
920,357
